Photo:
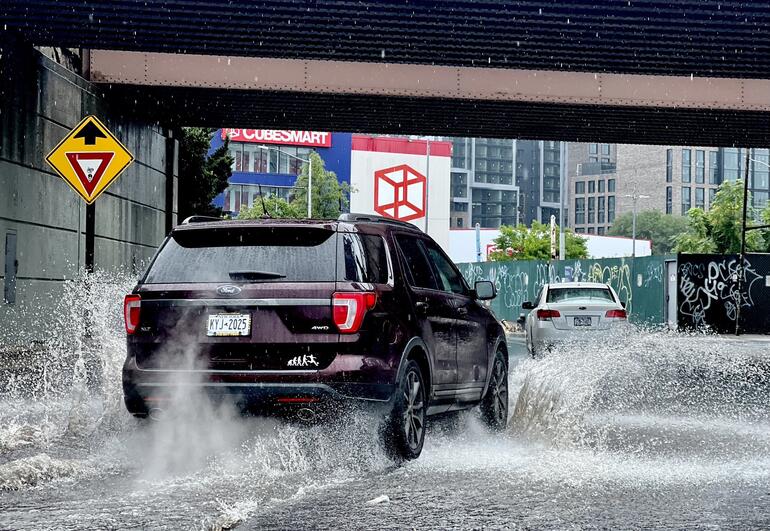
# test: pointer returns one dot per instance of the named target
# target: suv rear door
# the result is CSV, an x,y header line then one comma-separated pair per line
x,y
435,313
275,282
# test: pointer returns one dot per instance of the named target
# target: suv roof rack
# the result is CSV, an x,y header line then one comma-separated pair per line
x,y
352,217
199,219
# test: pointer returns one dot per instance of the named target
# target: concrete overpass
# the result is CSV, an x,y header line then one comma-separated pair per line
x,y
690,72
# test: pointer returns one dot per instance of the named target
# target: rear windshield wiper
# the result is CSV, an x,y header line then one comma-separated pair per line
x,y
255,275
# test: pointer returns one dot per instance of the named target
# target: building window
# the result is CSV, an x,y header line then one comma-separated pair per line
x,y
580,210
759,170
605,149
686,199
459,222
700,166
580,188
593,149
713,167
601,186
590,230
580,230
700,198
459,184
600,231
591,187
593,159
611,209
686,166
669,200
600,211
611,185
591,209
731,160
712,195
669,165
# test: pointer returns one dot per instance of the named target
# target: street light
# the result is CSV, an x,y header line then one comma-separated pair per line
x,y
309,176
634,196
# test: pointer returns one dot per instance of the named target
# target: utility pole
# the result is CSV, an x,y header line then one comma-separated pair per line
x,y
562,196
427,181
742,269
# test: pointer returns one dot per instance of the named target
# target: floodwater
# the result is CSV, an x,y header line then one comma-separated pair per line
x,y
658,430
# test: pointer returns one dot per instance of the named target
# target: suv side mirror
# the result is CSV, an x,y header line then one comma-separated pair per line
x,y
527,305
484,290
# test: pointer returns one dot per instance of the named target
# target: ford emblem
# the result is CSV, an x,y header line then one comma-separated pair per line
x,y
228,290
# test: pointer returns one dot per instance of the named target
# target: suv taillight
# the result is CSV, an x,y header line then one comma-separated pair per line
x,y
547,315
131,307
348,309
616,314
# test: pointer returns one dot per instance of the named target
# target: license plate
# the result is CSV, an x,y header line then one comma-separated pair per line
x,y
229,324
582,321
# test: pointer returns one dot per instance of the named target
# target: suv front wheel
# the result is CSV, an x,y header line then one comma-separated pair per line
x,y
404,430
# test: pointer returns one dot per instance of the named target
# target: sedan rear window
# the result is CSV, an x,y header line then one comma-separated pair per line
x,y
269,254
570,294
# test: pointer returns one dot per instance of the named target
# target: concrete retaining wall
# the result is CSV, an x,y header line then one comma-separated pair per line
x,y
42,101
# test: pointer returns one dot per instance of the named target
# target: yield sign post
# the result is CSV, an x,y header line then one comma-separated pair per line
x,y
89,158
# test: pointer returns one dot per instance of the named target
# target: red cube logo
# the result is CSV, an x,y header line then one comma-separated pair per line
x,y
399,193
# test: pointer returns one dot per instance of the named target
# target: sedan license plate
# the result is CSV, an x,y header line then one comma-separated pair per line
x,y
229,324
582,321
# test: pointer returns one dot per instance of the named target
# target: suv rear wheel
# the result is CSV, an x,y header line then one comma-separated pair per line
x,y
404,430
494,406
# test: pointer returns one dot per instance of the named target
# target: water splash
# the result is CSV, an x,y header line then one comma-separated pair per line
x,y
674,387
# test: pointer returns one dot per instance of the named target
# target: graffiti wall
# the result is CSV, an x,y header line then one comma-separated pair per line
x,y
714,291
640,285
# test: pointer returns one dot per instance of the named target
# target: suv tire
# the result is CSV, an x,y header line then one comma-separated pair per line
x,y
404,429
494,405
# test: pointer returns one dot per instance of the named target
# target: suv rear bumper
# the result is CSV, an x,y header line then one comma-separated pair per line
x,y
266,391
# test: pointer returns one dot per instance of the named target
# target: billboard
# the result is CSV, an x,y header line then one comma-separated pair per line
x,y
395,178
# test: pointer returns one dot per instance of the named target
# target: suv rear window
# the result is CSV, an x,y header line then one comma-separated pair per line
x,y
569,294
253,254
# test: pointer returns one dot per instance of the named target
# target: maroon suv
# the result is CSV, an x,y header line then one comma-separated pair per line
x,y
288,316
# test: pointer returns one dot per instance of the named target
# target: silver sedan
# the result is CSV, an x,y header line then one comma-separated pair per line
x,y
565,312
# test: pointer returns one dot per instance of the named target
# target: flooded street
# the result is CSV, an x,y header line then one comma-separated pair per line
x,y
658,430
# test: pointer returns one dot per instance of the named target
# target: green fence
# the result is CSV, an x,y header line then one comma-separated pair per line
x,y
640,283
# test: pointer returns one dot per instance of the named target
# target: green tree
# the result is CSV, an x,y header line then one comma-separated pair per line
x,y
522,243
330,197
653,225
273,207
719,229
201,178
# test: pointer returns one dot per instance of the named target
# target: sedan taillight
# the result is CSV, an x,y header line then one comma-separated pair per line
x,y
131,308
348,309
547,315
616,314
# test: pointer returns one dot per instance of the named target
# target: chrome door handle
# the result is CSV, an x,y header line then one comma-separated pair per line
x,y
462,311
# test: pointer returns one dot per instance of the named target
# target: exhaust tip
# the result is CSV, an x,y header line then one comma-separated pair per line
x,y
156,414
306,414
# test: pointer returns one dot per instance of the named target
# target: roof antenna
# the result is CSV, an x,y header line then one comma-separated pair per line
x,y
265,213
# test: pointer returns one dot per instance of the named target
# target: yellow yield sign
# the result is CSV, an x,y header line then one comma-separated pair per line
x,y
89,158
